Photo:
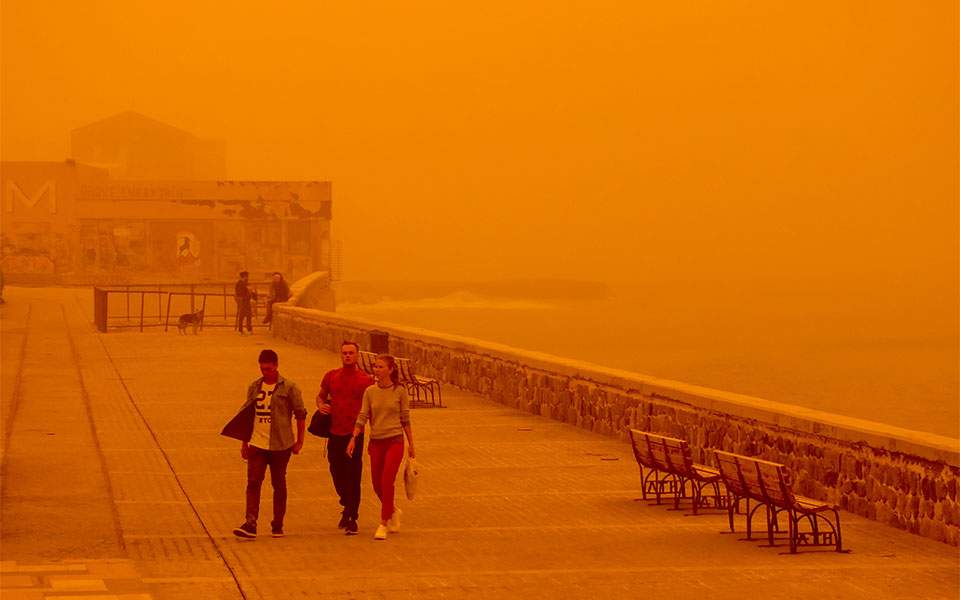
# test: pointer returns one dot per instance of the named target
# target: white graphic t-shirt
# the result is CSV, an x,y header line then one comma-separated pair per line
x,y
261,419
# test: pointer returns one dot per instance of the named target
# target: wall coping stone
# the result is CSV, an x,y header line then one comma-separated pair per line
x,y
929,446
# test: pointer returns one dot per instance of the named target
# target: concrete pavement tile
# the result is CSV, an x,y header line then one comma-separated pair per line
x,y
20,567
136,461
146,486
113,569
102,597
72,584
23,595
157,519
16,581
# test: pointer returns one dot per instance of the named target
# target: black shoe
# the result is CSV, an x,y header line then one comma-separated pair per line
x,y
351,527
343,522
276,530
247,531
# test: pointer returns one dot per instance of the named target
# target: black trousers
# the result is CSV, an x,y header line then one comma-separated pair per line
x,y
346,472
244,313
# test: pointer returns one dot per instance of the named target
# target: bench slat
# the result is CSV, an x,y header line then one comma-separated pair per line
x,y
769,484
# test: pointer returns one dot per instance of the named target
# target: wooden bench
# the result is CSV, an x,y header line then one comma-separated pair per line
x,y
769,485
672,472
424,391
365,361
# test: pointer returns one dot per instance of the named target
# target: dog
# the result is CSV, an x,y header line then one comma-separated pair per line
x,y
194,319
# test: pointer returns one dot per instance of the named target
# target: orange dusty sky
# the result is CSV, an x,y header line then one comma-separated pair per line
x,y
598,140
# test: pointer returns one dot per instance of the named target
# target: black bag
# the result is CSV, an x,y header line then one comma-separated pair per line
x,y
320,424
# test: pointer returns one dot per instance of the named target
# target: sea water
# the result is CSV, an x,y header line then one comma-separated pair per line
x,y
890,357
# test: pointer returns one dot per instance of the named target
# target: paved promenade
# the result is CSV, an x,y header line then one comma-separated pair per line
x,y
116,484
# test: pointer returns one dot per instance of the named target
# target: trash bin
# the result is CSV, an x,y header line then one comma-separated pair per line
x,y
379,342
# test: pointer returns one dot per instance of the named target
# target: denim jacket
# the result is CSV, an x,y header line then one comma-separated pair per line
x,y
287,403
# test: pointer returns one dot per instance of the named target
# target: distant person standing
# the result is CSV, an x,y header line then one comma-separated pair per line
x,y
341,395
387,409
264,426
279,292
243,295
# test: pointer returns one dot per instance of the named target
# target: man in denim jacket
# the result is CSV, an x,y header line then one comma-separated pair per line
x,y
264,426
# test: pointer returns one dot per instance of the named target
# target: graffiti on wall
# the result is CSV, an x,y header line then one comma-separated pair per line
x,y
187,258
15,193
31,265
188,251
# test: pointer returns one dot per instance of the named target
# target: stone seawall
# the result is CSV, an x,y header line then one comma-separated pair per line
x,y
904,478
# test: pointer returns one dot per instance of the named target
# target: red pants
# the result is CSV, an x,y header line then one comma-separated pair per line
x,y
385,458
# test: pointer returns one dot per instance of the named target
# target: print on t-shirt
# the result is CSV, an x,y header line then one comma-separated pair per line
x,y
261,419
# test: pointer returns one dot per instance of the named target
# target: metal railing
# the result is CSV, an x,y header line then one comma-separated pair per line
x,y
151,305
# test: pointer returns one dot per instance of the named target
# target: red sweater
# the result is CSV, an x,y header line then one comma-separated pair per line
x,y
345,387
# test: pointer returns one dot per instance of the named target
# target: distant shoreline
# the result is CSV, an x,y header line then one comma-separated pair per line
x,y
366,292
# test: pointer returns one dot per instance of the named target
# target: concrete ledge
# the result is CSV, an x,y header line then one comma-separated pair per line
x,y
904,478
312,291
877,435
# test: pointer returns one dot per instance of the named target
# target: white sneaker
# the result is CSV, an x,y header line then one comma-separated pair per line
x,y
393,525
381,533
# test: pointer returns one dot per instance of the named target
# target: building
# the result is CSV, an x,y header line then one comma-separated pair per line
x,y
133,146
151,206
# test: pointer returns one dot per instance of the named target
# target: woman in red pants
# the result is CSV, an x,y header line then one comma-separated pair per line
x,y
387,408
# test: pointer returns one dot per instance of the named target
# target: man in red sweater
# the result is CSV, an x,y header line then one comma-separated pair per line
x,y
341,394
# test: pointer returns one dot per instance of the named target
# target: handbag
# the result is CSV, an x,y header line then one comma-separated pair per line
x,y
411,473
320,424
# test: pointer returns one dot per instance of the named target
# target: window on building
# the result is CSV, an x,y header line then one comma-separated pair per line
x,y
298,237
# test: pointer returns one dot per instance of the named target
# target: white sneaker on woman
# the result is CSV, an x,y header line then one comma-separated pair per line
x,y
393,525
381,533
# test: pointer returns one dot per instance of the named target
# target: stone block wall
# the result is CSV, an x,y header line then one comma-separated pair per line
x,y
900,477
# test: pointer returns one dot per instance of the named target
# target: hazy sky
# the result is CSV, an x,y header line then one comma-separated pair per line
x,y
595,139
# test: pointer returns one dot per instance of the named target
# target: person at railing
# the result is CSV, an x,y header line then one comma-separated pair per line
x,y
341,395
279,292
243,295
387,408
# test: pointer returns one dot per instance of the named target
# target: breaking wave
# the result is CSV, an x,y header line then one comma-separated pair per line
x,y
453,301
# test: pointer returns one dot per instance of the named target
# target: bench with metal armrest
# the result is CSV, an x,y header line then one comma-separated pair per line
x,y
671,472
365,361
769,485
424,391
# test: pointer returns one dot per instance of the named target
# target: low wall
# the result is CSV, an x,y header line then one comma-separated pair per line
x,y
904,478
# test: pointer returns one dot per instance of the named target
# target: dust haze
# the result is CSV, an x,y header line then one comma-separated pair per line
x,y
732,146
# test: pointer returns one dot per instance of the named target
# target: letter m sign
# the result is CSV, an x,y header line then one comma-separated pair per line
x,y
14,192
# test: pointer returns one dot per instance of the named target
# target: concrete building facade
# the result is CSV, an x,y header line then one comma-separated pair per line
x,y
145,202
133,146
67,222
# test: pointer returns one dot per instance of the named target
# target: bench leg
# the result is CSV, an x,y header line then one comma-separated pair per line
x,y
794,524
836,529
733,504
750,513
681,492
648,487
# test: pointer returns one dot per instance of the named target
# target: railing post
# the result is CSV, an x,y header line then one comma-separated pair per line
x,y
100,308
166,322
